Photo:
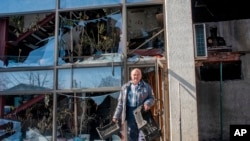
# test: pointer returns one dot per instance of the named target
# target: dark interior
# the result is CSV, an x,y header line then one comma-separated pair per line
x,y
219,10
224,71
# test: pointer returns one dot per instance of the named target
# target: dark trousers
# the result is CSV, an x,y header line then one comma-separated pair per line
x,y
134,134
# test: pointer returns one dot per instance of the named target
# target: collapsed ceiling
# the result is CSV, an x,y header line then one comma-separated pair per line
x,y
219,10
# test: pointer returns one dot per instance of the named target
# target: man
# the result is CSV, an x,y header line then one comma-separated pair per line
x,y
134,93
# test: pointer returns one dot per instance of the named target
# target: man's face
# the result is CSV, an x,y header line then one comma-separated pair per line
x,y
135,76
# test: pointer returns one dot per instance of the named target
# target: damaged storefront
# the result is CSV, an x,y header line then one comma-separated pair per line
x,y
62,65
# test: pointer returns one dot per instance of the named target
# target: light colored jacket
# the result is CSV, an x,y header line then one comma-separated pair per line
x,y
145,93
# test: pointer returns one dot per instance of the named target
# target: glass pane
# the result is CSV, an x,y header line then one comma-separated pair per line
x,y
89,77
93,110
134,1
145,32
86,3
30,40
21,6
90,36
79,114
31,116
26,81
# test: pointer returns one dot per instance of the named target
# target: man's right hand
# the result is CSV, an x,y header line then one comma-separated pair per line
x,y
115,120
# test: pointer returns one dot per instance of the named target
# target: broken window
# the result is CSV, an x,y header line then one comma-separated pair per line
x,y
45,65
145,34
82,113
90,36
212,71
28,40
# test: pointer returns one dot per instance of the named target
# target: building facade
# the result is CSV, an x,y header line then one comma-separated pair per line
x,y
63,63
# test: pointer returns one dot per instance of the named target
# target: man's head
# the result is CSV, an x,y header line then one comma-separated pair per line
x,y
136,76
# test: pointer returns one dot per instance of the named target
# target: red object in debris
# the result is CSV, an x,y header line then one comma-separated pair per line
x,y
26,104
149,52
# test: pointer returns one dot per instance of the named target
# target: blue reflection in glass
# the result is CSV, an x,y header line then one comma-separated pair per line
x,y
14,6
133,1
89,77
42,56
86,3
26,80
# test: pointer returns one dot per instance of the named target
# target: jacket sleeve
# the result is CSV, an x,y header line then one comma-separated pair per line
x,y
150,99
119,107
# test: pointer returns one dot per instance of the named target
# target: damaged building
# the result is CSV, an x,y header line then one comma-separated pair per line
x,y
62,64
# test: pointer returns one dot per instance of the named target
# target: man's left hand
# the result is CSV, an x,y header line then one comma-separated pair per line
x,y
146,107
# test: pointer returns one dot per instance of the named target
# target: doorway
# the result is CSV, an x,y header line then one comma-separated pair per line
x,y
155,75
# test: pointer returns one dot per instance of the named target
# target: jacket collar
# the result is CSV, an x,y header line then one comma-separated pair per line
x,y
141,83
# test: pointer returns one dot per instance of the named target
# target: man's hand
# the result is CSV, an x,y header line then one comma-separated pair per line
x,y
115,120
